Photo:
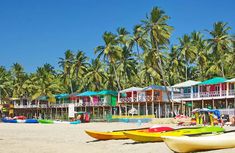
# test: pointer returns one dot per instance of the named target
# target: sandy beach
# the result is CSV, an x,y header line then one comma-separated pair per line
x,y
65,138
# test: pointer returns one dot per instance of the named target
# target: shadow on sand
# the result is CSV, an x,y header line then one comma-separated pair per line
x,y
133,143
95,141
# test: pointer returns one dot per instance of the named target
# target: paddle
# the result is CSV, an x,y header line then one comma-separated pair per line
x,y
131,129
209,133
161,131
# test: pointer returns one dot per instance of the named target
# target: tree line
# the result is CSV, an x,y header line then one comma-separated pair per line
x,y
142,57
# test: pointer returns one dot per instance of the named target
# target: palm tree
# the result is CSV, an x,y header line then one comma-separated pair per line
x,y
201,53
94,76
19,77
111,52
159,31
220,43
5,83
66,63
187,51
45,84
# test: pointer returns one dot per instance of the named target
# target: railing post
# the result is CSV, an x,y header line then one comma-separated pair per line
x,y
152,95
118,97
220,89
132,96
191,92
227,88
198,92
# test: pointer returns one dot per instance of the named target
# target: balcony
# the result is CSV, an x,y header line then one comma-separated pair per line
x,y
231,92
139,99
183,95
204,94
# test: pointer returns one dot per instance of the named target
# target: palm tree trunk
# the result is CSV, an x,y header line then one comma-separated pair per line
x,y
115,73
71,86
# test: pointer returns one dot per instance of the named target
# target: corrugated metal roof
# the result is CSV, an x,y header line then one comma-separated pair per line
x,y
231,80
188,83
131,89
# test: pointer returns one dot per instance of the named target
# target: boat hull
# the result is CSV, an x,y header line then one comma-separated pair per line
x,y
200,143
106,135
45,121
157,137
121,135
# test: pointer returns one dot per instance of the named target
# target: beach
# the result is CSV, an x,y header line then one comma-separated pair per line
x,y
66,138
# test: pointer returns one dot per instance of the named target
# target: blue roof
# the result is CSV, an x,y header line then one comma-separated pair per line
x,y
87,93
62,96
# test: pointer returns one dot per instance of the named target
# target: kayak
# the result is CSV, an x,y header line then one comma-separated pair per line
x,y
31,121
20,121
106,135
156,137
75,122
200,143
61,122
120,135
9,120
46,121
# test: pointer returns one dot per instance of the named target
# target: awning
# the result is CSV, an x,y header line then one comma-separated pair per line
x,y
155,87
131,89
107,92
216,80
231,80
62,96
87,93
188,83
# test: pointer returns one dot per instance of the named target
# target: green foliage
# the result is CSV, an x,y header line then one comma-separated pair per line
x,y
141,58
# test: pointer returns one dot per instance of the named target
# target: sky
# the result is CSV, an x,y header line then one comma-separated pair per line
x,y
33,33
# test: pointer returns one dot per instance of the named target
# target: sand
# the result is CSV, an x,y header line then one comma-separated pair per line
x,y
65,138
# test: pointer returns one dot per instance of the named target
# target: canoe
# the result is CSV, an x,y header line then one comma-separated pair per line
x,y
200,143
31,121
120,135
156,137
45,121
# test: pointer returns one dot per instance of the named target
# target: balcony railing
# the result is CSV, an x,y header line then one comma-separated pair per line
x,y
140,99
231,92
182,95
204,94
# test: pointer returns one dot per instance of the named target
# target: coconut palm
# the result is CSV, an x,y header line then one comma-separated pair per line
x,y
187,51
220,43
66,63
110,52
94,77
5,83
159,32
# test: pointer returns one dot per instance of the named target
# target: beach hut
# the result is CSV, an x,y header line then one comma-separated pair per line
x,y
88,98
157,97
187,89
108,97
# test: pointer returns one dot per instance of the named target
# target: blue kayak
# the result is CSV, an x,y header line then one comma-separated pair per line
x,y
8,121
31,121
75,122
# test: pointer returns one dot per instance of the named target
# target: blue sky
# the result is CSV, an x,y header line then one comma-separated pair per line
x,y
36,32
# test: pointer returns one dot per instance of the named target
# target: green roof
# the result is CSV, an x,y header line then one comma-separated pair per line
x,y
216,80
107,92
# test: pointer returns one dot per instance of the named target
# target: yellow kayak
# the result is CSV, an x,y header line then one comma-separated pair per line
x,y
106,135
200,143
156,137
120,135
